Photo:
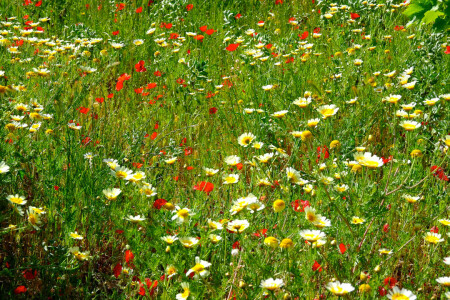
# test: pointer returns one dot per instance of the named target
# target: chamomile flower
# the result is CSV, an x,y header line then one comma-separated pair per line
x,y
445,281
169,239
214,225
210,172
121,172
368,160
384,251
409,125
357,220
147,189
111,194
311,215
16,199
199,269
411,199
279,114
232,160
264,158
302,102
78,254
214,238
185,286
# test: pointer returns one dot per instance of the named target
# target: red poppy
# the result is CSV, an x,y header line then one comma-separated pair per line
x,y
188,151
237,245
304,35
139,10
204,186
129,256
386,227
390,281
110,96
29,274
317,30
398,28
189,7
212,110
174,36
342,248
151,286
447,50
354,16
20,289
159,203
199,37
439,173
115,32
209,31
151,85
434,229
382,291
261,232
100,100
238,16
300,205
232,47
316,266
154,135
120,6
239,166
86,141
203,28
140,66
117,270
56,187
83,110
39,3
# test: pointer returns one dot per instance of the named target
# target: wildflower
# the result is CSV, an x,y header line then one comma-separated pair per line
x,y
255,206
171,271
310,214
257,145
445,222
214,238
410,125
210,172
265,157
385,251
272,284
230,179
79,255
34,216
76,236
431,102
286,244
302,102
16,199
181,214
121,172
312,235
392,99
357,220
327,110
416,153
112,163
111,194
214,225
411,199
445,281
403,294
313,122
148,190
339,289
321,222
368,160
169,239
341,188
433,238
238,226
135,219
279,114
232,160
245,139
188,242
199,269
186,291
278,205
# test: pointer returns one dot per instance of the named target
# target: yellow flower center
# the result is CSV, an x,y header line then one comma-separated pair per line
x,y
399,297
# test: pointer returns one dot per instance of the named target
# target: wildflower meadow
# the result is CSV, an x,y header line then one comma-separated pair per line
x,y
224,149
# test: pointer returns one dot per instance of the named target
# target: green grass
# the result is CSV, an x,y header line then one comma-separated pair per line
x,y
174,119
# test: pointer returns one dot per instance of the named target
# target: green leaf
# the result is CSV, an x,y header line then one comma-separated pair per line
x,y
431,16
414,9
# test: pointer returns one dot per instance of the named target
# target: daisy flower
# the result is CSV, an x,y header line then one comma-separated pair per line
x,y
368,160
148,190
169,239
445,281
327,110
76,236
188,242
312,235
171,271
135,219
4,168
302,102
185,286
264,158
238,225
409,125
272,284
357,220
181,214
246,139
16,199
232,160
79,255
385,251
111,194
433,238
121,172
199,269
400,294
279,114
339,289
230,178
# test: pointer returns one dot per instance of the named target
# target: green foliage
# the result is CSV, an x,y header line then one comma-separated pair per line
x,y
435,12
